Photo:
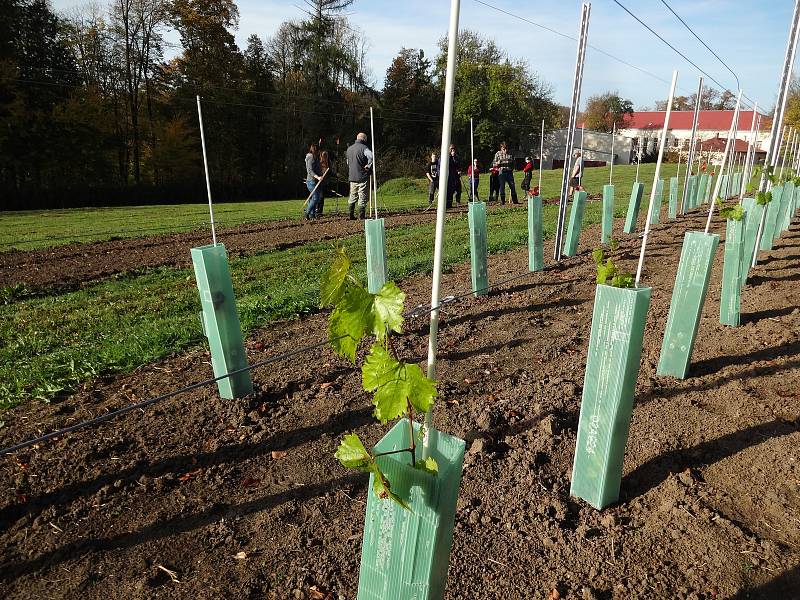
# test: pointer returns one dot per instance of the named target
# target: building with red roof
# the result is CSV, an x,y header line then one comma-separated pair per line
x,y
646,126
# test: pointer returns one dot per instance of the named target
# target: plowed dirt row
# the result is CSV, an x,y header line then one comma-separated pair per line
x,y
710,503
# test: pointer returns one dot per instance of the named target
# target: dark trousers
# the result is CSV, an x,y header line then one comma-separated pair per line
x,y
526,181
507,177
433,187
453,189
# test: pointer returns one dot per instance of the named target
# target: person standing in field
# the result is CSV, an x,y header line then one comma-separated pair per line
x,y
454,178
359,166
313,177
527,173
505,163
328,174
494,183
433,177
577,174
473,179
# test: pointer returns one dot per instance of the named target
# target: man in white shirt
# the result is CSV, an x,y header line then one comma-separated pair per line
x,y
577,174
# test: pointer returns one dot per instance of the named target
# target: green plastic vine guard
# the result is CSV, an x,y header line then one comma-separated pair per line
x,y
575,223
787,206
633,207
535,234
701,190
612,368
377,274
737,181
796,200
691,192
405,553
731,296
753,213
709,189
658,199
688,297
672,211
723,188
220,320
771,221
478,249
607,227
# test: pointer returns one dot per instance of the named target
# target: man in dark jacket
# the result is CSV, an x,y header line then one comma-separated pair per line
x,y
359,166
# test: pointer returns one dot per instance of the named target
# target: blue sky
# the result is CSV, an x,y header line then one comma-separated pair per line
x,y
750,35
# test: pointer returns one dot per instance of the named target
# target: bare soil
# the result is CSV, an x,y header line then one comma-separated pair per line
x,y
243,499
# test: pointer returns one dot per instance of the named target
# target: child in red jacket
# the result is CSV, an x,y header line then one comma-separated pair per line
x,y
527,173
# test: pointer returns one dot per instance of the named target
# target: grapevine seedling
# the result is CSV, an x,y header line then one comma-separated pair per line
x,y
763,198
398,388
735,213
608,273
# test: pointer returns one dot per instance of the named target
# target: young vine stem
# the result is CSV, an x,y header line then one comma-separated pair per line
x,y
413,448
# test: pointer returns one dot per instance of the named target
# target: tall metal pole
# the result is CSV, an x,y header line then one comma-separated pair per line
x,y
441,207
573,115
735,128
728,144
750,147
208,181
692,142
677,175
777,120
661,146
541,157
613,135
472,160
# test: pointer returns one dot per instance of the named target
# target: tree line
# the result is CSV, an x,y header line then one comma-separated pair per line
x,y
98,108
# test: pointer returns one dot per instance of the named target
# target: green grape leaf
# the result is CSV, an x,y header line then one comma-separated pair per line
x,y
422,390
606,271
388,310
332,286
622,280
429,465
763,198
735,213
613,244
350,321
597,256
352,453
382,487
395,383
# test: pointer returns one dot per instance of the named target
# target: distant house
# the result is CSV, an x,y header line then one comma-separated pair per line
x,y
711,150
647,125
596,148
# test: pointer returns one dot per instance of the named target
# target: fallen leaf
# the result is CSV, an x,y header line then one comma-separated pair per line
x,y
278,453
240,555
554,595
250,482
190,474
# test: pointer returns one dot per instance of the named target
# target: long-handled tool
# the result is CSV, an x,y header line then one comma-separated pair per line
x,y
315,187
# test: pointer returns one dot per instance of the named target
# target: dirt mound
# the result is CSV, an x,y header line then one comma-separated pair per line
x,y
244,499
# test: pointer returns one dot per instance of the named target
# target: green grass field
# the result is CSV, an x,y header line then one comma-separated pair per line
x,y
50,344
28,230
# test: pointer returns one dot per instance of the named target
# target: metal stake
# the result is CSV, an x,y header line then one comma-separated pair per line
x,y
441,206
728,144
692,141
655,178
573,115
208,181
